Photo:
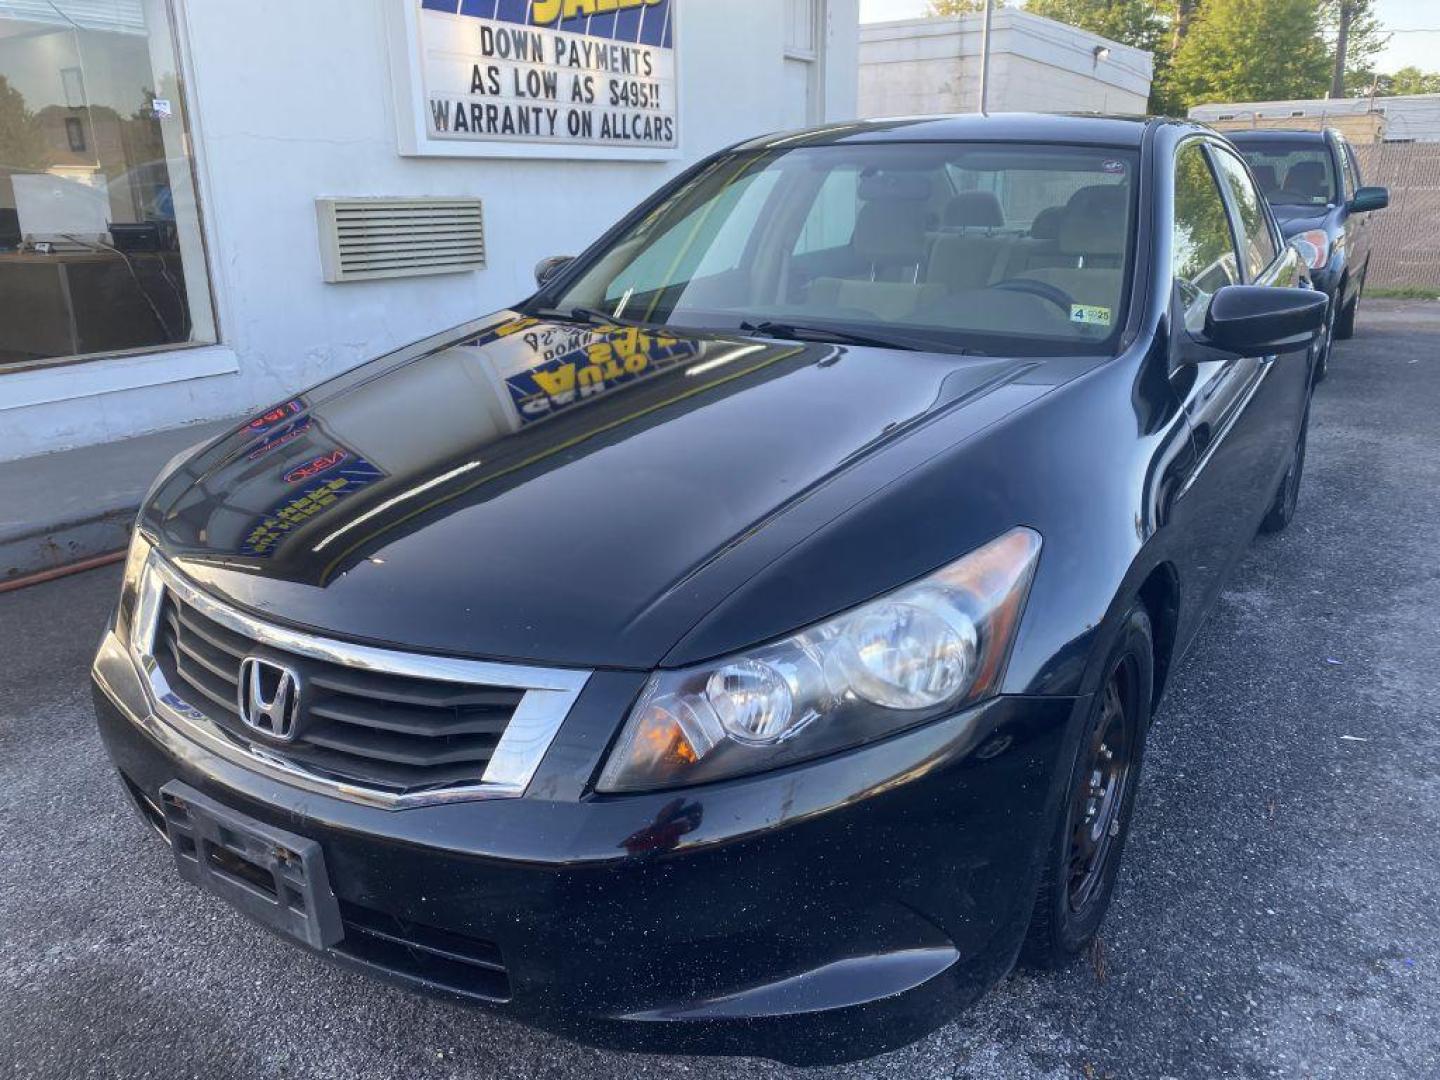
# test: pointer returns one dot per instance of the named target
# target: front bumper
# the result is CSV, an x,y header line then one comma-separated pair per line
x,y
820,913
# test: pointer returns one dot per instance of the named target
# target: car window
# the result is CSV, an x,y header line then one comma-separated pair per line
x,y
710,240
1011,248
831,221
1022,197
1354,161
1290,171
1347,170
1204,245
1258,247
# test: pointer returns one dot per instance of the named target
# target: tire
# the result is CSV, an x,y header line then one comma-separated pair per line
x,y
1083,859
1282,509
1345,325
1327,340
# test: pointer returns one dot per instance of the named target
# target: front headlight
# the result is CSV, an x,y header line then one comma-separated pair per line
x,y
1314,247
926,649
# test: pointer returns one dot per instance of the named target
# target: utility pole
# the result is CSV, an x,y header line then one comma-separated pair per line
x,y
985,56
1342,41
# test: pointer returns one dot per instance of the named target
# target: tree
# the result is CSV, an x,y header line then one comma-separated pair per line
x,y
1251,50
1408,80
1131,22
1359,38
1180,22
22,145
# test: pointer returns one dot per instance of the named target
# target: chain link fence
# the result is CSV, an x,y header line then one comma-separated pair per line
x,y
1405,237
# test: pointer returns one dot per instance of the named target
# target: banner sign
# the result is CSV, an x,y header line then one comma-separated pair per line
x,y
577,73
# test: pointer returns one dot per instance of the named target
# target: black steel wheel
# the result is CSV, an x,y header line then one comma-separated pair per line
x,y
1095,803
1078,878
1345,325
1282,510
1325,342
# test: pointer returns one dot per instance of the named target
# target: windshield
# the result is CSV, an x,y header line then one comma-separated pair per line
x,y
1002,248
1292,172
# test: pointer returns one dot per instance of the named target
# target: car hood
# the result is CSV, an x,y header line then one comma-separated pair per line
x,y
1294,219
556,492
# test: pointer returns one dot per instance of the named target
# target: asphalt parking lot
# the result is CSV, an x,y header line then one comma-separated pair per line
x,y
1278,914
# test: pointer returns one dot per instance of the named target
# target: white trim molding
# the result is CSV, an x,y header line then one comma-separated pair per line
x,y
107,375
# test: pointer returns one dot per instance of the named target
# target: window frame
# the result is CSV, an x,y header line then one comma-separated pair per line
x,y
213,357
1201,144
1348,181
1213,148
810,51
1349,166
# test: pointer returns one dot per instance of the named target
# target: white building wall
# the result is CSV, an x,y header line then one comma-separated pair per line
x,y
290,101
1027,85
930,66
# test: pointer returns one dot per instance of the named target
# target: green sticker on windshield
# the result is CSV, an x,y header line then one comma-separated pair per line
x,y
1090,314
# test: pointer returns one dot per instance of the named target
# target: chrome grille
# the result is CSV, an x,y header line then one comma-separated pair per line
x,y
387,730
378,726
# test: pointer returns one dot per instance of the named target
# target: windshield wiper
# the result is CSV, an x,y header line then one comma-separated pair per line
x,y
779,328
592,316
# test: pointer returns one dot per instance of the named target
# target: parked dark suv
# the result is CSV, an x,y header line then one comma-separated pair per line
x,y
748,643
1313,183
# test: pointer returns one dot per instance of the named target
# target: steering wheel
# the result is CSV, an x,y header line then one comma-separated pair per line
x,y
1043,289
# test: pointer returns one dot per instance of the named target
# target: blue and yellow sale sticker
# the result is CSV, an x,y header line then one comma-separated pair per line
x,y
590,363
327,479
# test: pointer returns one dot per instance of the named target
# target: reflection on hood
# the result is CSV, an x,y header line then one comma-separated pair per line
x,y
507,398
577,365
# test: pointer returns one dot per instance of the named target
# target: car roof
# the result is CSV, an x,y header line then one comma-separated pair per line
x,y
1285,134
1088,128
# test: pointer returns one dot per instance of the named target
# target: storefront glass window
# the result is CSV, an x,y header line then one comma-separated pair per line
x,y
100,243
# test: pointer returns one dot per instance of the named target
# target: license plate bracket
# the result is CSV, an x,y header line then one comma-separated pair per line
x,y
274,876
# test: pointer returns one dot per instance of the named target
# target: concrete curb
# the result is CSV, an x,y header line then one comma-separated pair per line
x,y
70,542
69,506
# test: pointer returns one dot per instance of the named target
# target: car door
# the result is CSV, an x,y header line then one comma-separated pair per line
x,y
1239,413
1356,227
1283,382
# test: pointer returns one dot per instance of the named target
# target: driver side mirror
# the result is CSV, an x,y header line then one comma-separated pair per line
x,y
548,267
1255,319
1369,198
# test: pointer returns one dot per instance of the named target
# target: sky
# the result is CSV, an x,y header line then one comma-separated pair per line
x,y
1405,16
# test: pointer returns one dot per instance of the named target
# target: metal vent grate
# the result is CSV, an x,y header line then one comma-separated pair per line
x,y
362,239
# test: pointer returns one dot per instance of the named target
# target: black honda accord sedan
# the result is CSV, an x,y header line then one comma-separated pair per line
x,y
747,644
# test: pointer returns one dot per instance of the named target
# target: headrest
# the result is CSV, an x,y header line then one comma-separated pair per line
x,y
1097,199
1094,221
890,232
895,186
1046,225
1265,177
974,209
1307,178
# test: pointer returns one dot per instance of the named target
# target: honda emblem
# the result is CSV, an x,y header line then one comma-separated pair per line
x,y
269,698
